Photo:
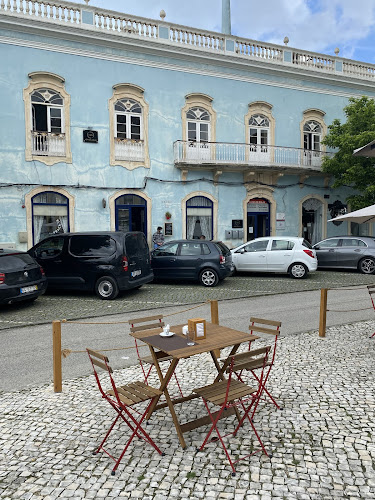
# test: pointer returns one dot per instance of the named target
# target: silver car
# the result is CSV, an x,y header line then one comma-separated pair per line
x,y
347,252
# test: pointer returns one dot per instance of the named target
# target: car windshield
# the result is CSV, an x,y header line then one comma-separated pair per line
x,y
15,261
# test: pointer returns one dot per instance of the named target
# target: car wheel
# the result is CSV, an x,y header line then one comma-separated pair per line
x,y
208,277
298,270
367,265
106,288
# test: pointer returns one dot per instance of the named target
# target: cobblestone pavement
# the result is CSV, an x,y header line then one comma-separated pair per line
x,y
322,441
84,305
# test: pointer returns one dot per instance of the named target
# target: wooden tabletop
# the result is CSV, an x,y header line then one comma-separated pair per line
x,y
217,337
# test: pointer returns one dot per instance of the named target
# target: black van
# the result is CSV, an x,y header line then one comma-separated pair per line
x,y
106,262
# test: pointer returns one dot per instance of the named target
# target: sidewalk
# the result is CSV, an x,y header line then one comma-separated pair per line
x,y
322,442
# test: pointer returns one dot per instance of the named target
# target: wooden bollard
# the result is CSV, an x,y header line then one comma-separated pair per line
x,y
323,312
215,320
56,346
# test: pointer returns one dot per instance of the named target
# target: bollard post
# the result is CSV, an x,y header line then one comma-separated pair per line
x,y
56,342
323,312
215,319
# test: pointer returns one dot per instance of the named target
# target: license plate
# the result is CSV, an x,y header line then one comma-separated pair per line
x,y
136,273
28,289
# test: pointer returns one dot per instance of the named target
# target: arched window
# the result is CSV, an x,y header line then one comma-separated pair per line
x,y
130,213
50,215
312,132
199,218
128,115
198,121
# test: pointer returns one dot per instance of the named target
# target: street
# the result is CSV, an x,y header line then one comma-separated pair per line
x,y
26,354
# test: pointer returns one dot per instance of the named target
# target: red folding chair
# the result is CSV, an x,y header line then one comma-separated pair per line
x,y
148,323
371,291
122,399
259,325
234,393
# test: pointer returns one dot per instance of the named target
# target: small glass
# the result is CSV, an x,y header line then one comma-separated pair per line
x,y
190,337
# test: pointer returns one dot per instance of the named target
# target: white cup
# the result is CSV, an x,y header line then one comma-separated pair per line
x,y
185,329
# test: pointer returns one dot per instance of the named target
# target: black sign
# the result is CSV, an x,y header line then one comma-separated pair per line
x,y
168,228
90,136
237,224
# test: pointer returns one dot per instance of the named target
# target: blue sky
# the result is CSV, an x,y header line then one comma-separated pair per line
x,y
317,25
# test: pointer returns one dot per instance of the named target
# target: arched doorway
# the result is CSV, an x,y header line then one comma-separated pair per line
x,y
131,213
312,219
258,218
199,218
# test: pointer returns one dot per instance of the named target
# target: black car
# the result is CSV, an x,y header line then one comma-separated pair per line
x,y
21,277
206,261
106,262
347,252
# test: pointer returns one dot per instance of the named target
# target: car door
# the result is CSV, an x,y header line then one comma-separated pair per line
x,y
50,254
326,252
189,259
280,254
253,256
164,260
350,252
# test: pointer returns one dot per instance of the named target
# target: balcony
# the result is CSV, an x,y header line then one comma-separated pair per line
x,y
118,27
48,144
239,157
129,150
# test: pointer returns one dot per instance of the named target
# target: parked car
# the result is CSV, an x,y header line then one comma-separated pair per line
x,y
347,252
21,277
106,262
276,254
205,261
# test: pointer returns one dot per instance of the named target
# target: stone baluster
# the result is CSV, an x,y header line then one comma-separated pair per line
x,y
8,5
2,5
15,7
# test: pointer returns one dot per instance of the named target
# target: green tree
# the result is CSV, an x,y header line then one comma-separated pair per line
x,y
346,169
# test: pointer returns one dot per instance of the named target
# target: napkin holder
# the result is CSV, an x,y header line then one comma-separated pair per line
x,y
198,327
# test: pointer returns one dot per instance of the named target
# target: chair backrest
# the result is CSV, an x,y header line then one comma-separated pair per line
x,y
269,326
371,291
147,323
98,360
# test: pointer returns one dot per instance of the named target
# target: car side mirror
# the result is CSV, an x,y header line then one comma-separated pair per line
x,y
242,250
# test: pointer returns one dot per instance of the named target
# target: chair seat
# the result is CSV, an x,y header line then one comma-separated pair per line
x,y
216,392
136,392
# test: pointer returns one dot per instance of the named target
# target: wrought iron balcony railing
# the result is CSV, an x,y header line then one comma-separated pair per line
x,y
243,155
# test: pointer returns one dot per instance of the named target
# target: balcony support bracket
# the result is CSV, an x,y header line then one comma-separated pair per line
x,y
217,174
184,174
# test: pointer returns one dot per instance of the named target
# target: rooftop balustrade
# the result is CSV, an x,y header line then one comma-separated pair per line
x,y
236,156
106,21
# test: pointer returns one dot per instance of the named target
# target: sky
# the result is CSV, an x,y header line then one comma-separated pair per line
x,y
315,25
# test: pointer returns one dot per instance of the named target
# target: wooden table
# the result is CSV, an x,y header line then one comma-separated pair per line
x,y
217,337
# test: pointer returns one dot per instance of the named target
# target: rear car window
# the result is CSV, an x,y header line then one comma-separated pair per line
x,y
15,261
136,244
306,244
282,245
223,248
92,246
190,249
353,242
205,249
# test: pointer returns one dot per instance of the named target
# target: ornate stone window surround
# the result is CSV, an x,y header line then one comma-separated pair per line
x,y
42,189
324,213
265,109
315,115
267,194
135,93
214,212
198,100
45,80
112,209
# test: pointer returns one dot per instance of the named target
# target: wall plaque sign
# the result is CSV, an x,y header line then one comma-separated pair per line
x,y
90,136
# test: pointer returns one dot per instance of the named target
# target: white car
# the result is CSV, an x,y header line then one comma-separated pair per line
x,y
276,254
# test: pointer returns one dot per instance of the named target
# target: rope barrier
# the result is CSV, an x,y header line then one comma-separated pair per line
x,y
348,310
127,322
356,287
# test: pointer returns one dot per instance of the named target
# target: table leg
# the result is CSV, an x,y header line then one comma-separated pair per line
x,y
164,380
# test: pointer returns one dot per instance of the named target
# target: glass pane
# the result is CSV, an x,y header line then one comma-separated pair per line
x,y
199,201
136,244
49,248
121,118
123,220
50,198
55,112
167,249
130,199
190,249
121,128
135,120
87,246
333,243
264,137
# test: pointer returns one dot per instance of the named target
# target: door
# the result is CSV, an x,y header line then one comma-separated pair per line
x,y
349,253
164,261
252,257
258,219
280,255
189,260
130,214
50,255
326,252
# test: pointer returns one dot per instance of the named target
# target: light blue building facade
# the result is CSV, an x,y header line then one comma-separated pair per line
x,y
115,122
